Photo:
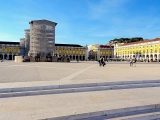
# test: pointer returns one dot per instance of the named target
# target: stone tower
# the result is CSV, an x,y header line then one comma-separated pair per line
x,y
22,46
27,40
42,37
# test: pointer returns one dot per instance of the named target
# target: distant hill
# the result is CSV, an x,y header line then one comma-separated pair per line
x,y
125,40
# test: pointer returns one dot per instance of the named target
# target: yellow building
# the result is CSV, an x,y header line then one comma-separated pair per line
x,y
97,51
142,50
8,50
75,52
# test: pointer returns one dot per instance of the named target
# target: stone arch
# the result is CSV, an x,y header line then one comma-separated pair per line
x,y
73,57
151,57
1,56
14,56
155,57
10,57
143,56
83,57
134,56
80,58
5,56
158,57
76,57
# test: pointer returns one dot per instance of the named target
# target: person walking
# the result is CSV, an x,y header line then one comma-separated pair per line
x,y
99,61
131,62
135,62
102,61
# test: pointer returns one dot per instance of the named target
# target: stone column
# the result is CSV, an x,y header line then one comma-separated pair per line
x,y
7,56
3,56
153,57
86,54
157,57
12,56
149,57
138,56
98,54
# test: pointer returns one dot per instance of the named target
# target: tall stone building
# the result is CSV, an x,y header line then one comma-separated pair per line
x,y
27,41
22,46
42,37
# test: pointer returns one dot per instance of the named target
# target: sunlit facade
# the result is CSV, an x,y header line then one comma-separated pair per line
x,y
106,51
8,50
142,50
73,51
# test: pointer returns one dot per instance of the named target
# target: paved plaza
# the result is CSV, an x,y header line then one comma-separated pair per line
x,y
45,106
74,72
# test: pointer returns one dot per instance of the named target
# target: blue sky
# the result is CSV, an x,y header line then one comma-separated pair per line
x,y
82,21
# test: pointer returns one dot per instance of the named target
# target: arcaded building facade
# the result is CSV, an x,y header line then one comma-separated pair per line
x,y
73,51
9,49
105,51
142,50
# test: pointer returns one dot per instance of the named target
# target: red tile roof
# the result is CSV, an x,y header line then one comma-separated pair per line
x,y
144,41
106,46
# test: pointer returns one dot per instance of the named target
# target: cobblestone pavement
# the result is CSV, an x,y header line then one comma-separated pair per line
x,y
77,72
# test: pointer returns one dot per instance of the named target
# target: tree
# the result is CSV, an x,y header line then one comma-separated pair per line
x,y
126,40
